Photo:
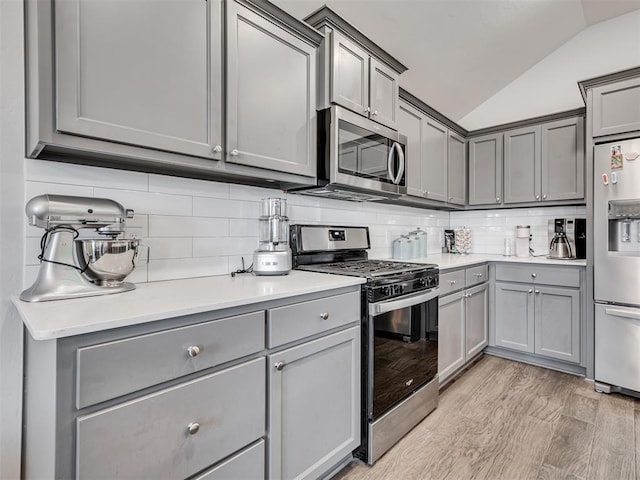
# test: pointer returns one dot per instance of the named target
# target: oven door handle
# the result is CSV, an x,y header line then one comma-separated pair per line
x,y
390,305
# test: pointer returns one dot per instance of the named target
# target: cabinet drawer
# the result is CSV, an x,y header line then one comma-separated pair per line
x,y
293,322
112,369
248,464
451,282
149,437
539,274
476,275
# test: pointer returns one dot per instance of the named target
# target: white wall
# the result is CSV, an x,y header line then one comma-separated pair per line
x,y
551,85
11,233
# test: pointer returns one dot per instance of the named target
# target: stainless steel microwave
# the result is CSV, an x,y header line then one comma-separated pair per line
x,y
358,159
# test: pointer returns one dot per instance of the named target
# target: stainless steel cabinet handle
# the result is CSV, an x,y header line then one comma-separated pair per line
x,y
533,275
217,149
537,292
193,428
452,282
279,366
193,351
324,315
530,290
234,153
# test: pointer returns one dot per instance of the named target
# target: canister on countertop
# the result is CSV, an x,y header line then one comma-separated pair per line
x,y
421,237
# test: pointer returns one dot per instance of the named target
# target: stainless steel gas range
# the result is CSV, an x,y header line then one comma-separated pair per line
x,y
399,330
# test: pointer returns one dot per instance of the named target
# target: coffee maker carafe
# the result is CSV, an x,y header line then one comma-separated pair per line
x,y
273,256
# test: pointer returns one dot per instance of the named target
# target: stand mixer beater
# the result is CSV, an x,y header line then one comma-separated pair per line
x,y
71,267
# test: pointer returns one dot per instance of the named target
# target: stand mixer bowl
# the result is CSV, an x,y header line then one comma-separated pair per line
x,y
106,261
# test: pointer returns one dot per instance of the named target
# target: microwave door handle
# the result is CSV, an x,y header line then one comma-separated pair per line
x,y
392,177
398,148
391,305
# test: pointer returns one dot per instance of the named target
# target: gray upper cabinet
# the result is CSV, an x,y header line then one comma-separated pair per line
x,y
410,122
434,169
562,159
271,94
457,169
522,165
349,74
485,170
362,83
616,108
141,76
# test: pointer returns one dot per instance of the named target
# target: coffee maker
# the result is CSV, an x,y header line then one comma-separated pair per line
x,y
567,238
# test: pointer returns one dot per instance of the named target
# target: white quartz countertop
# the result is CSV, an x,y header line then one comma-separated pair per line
x,y
162,300
447,261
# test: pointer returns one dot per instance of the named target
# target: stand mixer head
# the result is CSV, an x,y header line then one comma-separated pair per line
x,y
72,267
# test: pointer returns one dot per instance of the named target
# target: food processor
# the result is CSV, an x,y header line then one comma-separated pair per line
x,y
273,256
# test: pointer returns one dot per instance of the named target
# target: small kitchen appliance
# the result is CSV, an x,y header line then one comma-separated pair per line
x,y
523,237
399,321
567,238
73,267
273,256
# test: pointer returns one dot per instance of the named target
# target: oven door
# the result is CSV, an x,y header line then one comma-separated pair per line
x,y
400,364
365,155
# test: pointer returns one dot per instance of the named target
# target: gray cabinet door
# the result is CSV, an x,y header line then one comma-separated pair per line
x,y
383,96
563,159
476,320
410,124
457,170
513,317
314,405
451,343
557,323
522,165
485,170
349,75
616,108
271,95
141,74
434,171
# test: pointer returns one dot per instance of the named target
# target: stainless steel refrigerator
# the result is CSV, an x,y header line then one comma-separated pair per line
x,y
616,241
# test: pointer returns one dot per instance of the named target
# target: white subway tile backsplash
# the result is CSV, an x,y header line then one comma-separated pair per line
x,y
198,228
70,174
187,186
149,202
175,226
215,207
173,269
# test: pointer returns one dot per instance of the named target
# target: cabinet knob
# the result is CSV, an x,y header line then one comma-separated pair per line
x,y
324,315
193,351
497,199
375,112
544,197
193,428
537,292
450,198
217,149
530,290
537,197
234,152
452,282
279,366
426,193
478,275
533,275
367,110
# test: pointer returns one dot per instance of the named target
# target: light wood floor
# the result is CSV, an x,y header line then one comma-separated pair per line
x,y
508,420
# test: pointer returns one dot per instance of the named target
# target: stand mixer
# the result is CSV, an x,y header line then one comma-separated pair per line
x,y
71,267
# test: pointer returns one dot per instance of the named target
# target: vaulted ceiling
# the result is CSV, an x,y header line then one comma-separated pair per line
x,y
462,52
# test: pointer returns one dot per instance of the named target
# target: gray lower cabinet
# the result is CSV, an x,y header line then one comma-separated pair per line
x,y
615,108
463,318
271,94
541,317
485,170
142,76
314,405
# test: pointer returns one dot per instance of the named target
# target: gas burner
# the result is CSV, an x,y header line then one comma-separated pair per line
x,y
368,268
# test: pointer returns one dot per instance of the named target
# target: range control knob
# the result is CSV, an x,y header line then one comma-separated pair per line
x,y
398,289
386,291
422,282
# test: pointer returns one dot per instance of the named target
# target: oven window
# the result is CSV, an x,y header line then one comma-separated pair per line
x,y
403,364
363,153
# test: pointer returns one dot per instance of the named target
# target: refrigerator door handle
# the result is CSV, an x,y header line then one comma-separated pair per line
x,y
632,313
